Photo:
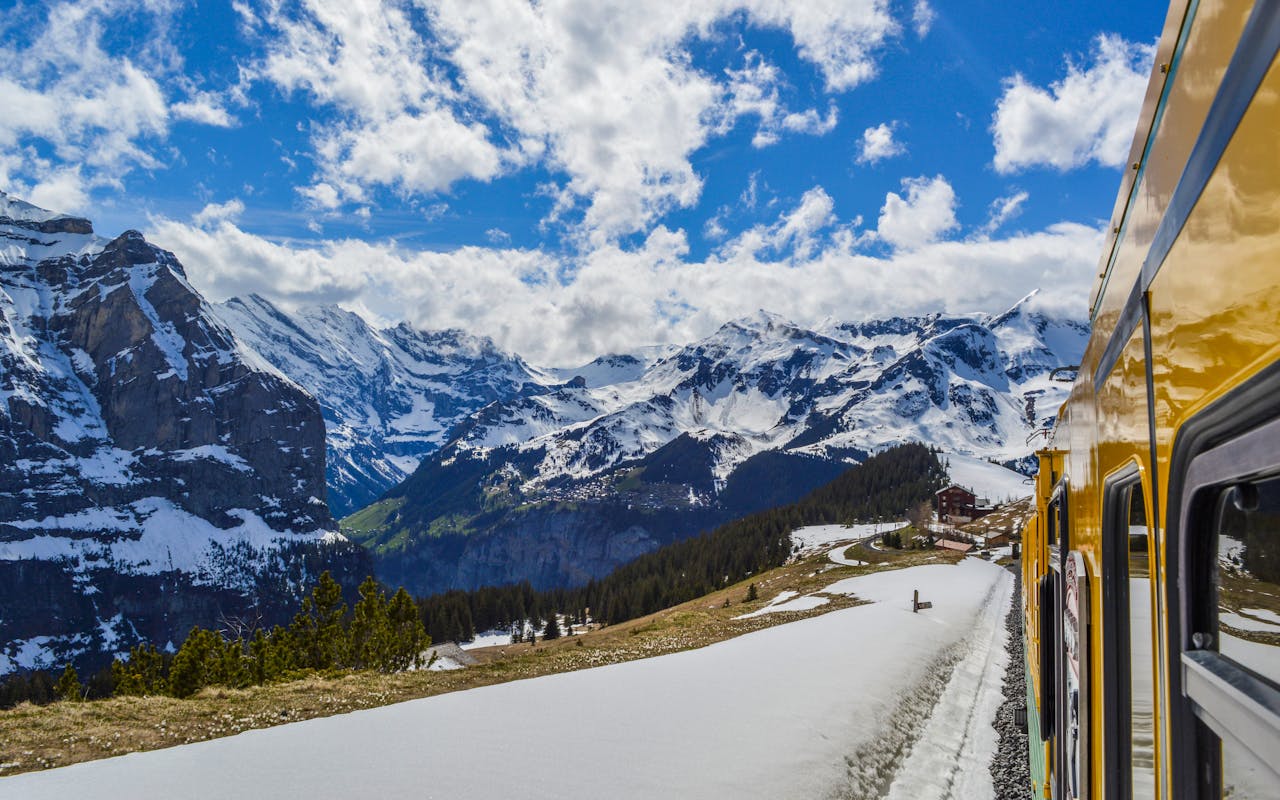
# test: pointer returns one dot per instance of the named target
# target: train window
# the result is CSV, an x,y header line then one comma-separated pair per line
x,y
1127,652
1229,557
1248,576
1248,602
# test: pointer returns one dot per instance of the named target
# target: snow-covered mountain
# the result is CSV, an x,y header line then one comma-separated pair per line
x,y
152,468
627,454
389,396
970,385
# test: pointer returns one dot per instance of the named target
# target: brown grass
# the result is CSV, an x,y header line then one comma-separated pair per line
x,y
41,737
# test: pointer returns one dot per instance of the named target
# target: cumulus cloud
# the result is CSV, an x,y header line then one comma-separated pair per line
x,y
214,213
101,115
878,144
613,298
796,231
755,89
204,108
605,93
396,127
926,212
1088,116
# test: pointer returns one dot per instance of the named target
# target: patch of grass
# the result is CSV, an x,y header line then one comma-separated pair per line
x,y
368,526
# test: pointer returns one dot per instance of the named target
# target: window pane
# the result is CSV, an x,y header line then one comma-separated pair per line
x,y
1141,666
1249,576
1243,776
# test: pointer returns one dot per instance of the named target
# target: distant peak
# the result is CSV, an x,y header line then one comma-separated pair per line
x,y
760,319
22,214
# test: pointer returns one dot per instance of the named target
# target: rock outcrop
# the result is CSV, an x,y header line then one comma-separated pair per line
x,y
153,469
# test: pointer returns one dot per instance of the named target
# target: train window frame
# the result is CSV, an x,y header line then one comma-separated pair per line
x,y
1116,686
1051,609
1116,631
1230,701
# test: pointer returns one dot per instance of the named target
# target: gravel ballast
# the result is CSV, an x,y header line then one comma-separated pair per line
x,y
1009,770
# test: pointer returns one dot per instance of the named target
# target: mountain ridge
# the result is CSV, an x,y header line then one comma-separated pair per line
x,y
540,463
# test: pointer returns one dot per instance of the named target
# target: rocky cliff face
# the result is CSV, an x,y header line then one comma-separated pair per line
x,y
142,448
389,396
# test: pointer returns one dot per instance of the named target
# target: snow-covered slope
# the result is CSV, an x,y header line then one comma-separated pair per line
x,y
388,396
990,482
803,710
138,439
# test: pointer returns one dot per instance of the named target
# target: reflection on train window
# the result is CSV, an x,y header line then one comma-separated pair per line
x,y
1248,588
1141,665
1248,582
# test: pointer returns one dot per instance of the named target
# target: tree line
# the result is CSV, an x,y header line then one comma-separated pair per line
x,y
377,633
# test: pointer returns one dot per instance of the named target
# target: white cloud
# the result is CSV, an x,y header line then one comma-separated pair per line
x,y
755,90
321,195
1088,116
796,231
203,108
396,126
922,17
878,144
810,121
102,115
920,218
605,93
1003,209
214,214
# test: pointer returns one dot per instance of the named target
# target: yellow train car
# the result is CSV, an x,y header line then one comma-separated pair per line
x,y
1151,569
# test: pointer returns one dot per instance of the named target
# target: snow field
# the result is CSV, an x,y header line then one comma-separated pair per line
x,y
990,481
813,537
771,714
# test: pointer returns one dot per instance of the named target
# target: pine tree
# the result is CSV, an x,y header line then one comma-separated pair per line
x,y
192,666
553,628
317,631
370,633
68,686
752,594
408,636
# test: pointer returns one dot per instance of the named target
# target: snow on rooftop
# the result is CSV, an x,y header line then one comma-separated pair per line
x,y
771,714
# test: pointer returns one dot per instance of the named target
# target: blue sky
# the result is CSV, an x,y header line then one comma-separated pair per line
x,y
577,177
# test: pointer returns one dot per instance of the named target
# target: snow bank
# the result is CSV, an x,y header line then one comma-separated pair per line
x,y
786,601
767,715
487,639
